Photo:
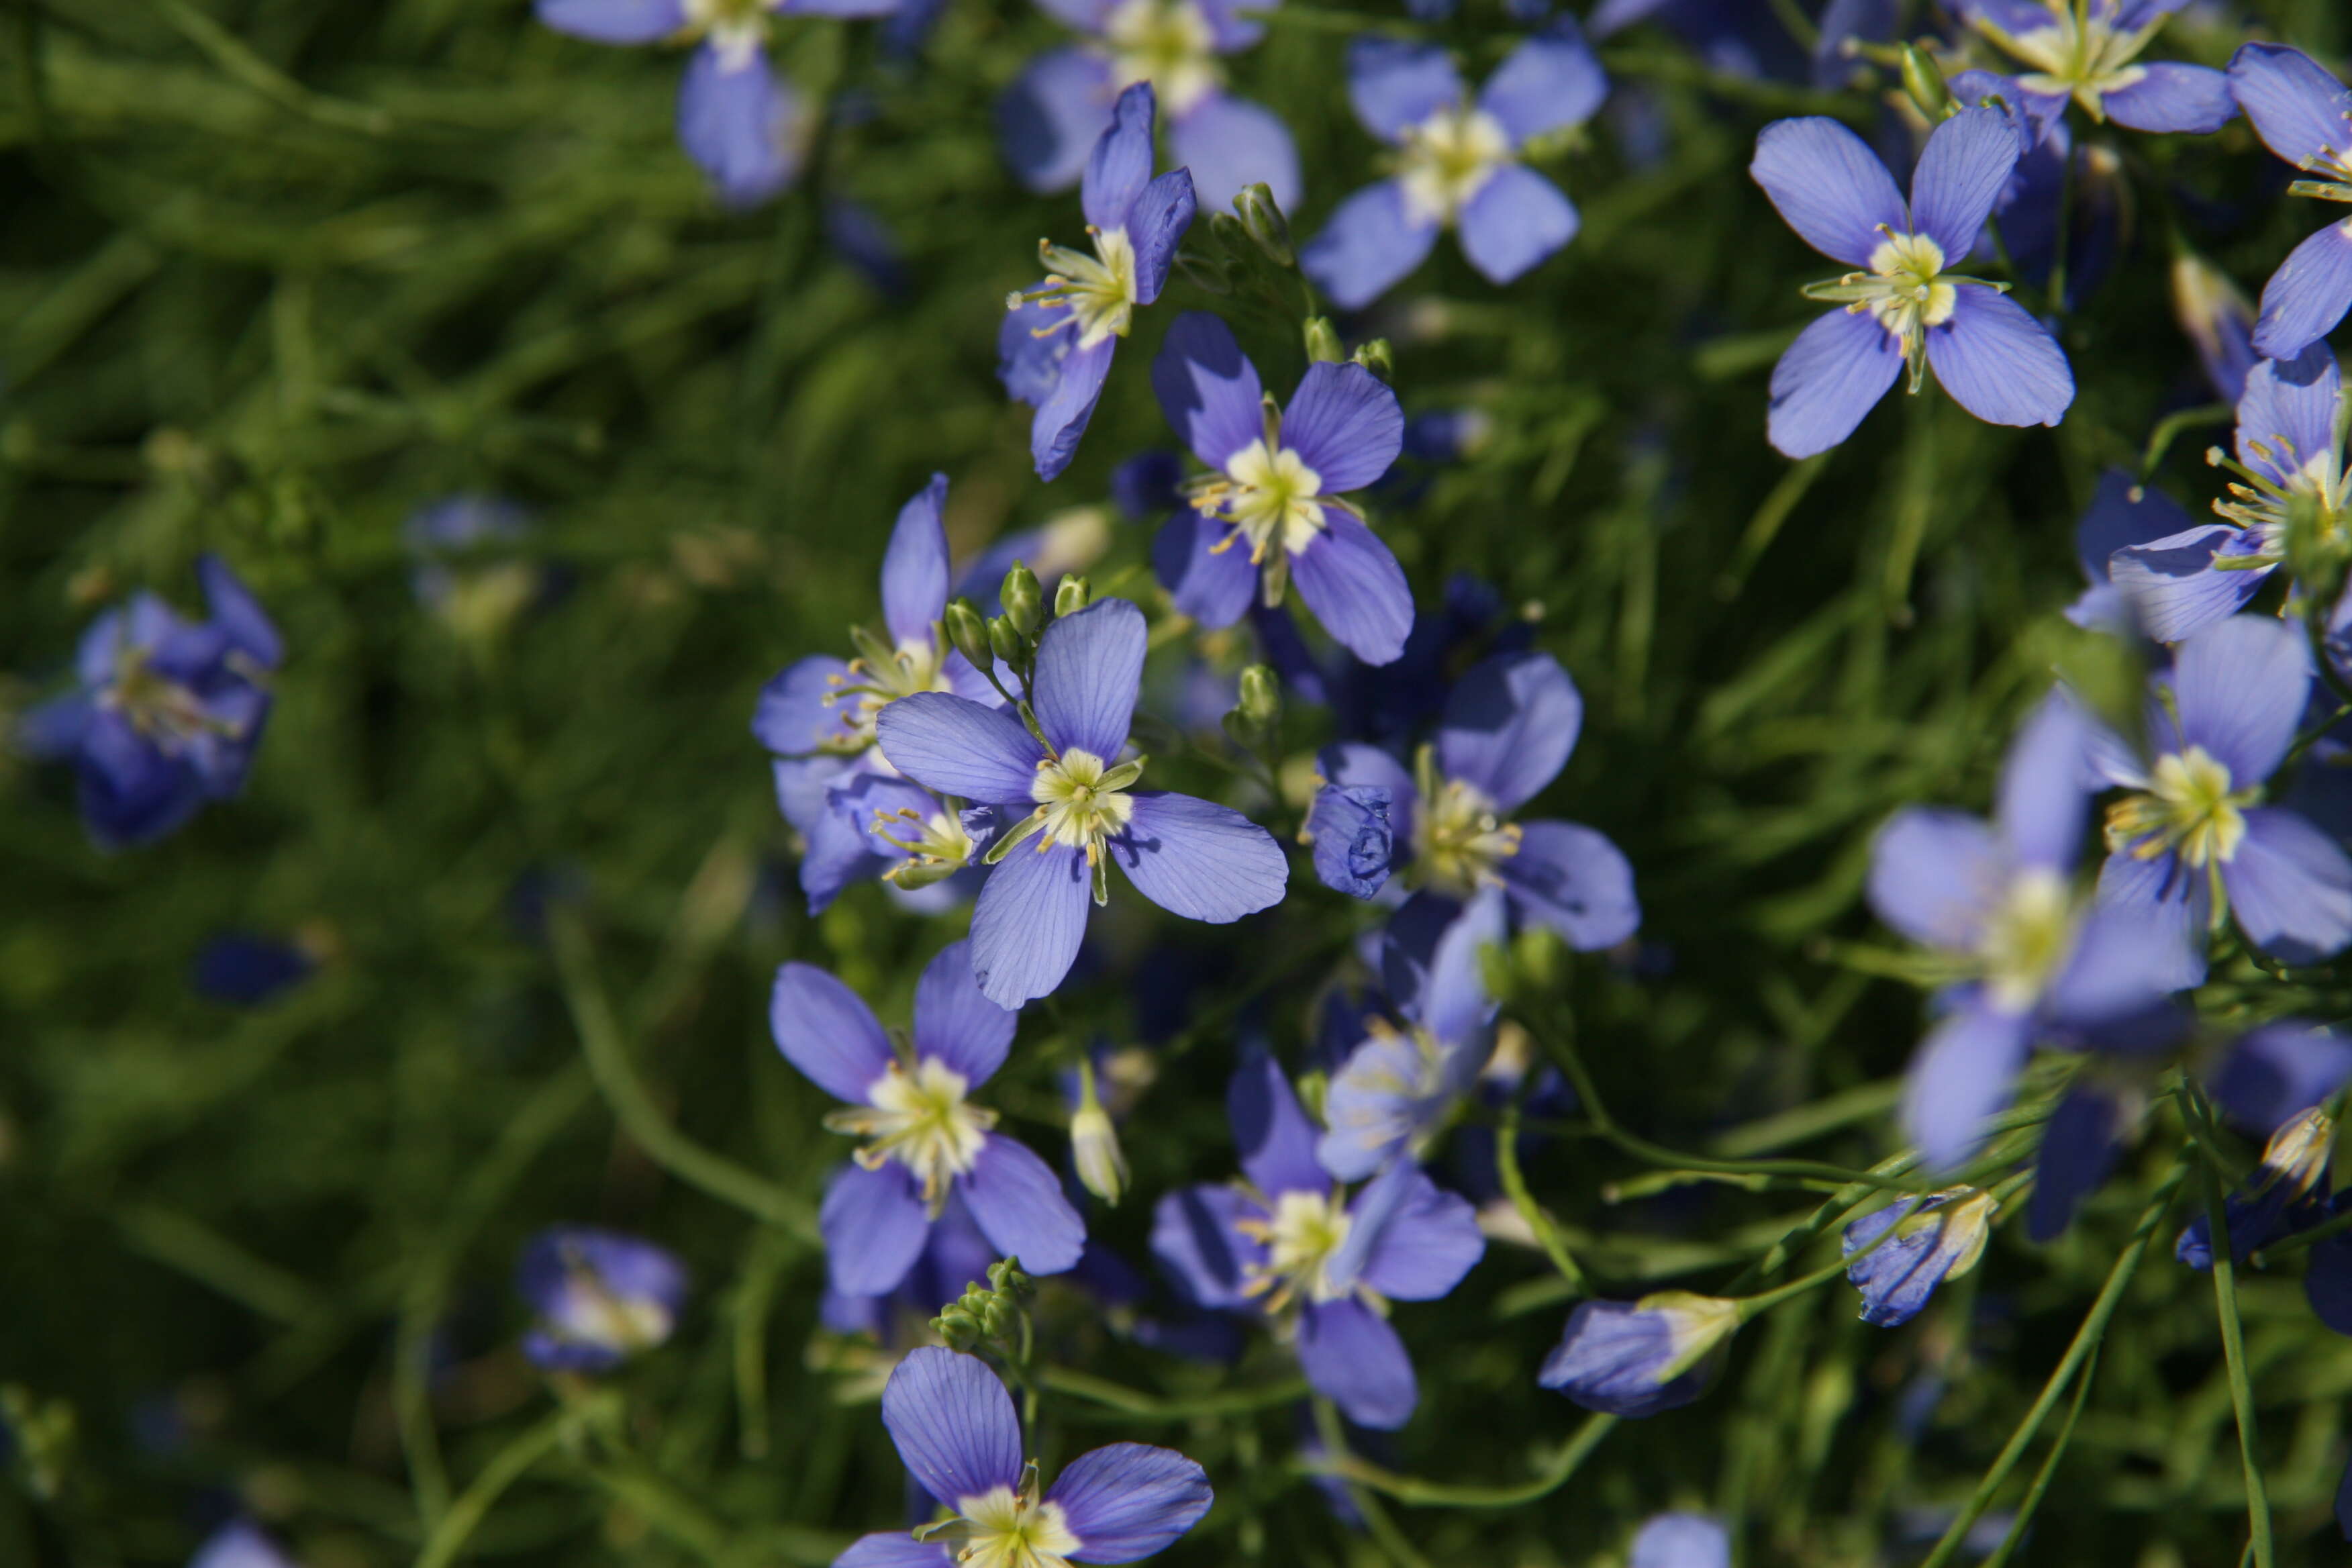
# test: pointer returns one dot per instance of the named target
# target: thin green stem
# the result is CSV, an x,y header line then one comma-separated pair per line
x,y
2048,1471
1152,1407
1422,1493
1383,1529
507,1465
1506,1162
2233,1334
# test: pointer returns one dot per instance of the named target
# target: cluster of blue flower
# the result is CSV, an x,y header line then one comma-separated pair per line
x,y
992,756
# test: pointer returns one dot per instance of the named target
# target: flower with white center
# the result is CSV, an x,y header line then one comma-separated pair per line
x,y
955,1427
2089,50
1300,1237
1447,158
601,1297
1168,43
925,1139
736,29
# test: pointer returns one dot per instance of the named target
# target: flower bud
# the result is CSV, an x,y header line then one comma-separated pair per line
x,y
1323,342
1070,595
967,631
1638,1358
1024,600
1936,1238
1377,357
1537,954
1008,645
1261,220
2218,321
1924,81
1094,1142
1261,697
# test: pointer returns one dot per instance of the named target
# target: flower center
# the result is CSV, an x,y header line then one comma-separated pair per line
x,y
160,709
1006,1529
592,1312
1082,800
1448,158
1098,291
878,677
736,28
1168,43
1270,495
918,1118
1300,1237
2305,500
2189,808
936,847
1911,296
2076,54
1458,838
2027,938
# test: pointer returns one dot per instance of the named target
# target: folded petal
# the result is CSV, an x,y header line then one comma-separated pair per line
x,y
237,614
953,1424
2123,513
1229,143
1050,118
839,852
2296,107
2278,1071
1194,859
613,21
956,746
2239,688
1211,585
2290,888
2078,1150
1961,1075
1999,363
2308,295
1354,844
1062,418
1016,1200
1353,1358
735,118
1120,164
1834,374
2173,587
1276,1140
1155,227
874,1224
1194,1238
955,1024
1353,584
915,569
1552,79
828,1031
1833,190
1416,1241
1129,1500
895,1549
1510,726
2287,415
1571,878
1344,422
1208,389
2177,901
1962,171
2042,799
1028,922
1517,219
1354,764
1394,85
2169,96
1371,242
1088,667
1452,1001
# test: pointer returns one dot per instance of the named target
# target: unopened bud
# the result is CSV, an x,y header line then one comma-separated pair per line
x,y
1494,971
1025,599
967,632
1323,345
1070,595
1230,235
1377,357
1261,220
1006,644
1094,1142
1261,698
1924,81
1537,953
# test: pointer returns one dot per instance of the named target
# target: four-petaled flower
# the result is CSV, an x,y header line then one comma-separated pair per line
x,y
1904,305
1457,162
1284,1241
954,1427
2089,50
601,1297
1055,346
1078,807
1270,511
2303,115
736,117
925,1142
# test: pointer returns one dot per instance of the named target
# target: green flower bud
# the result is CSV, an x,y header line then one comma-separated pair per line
x,y
1261,220
1008,645
1070,595
1024,600
1379,358
967,632
1924,81
1323,342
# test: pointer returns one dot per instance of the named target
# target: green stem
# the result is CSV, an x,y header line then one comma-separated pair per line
x,y
1439,1494
2233,1334
1383,1529
509,1465
2048,1471
599,1041
2086,1340
1506,1162
1148,1407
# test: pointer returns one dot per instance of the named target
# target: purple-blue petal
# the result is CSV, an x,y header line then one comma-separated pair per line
x,y
953,1424
1208,388
1452,1002
1028,922
1228,144
840,851
1194,1238
1156,226
2178,903
1411,1241
2172,586
1997,361
1833,190
613,21
1088,667
1613,1356
2239,688
736,120
828,1031
2123,513
238,615
874,1224
794,717
1681,1541
1344,422
1129,1500
1050,118
1276,1140
1198,859
2296,107
895,1549
1961,1074
2171,95
1017,1201
1120,164
1394,85
1831,376
2078,1150
2041,800
1211,585
1552,79
2278,1071
1516,221
1574,880
1353,842
955,1024
1371,243
2308,295
2290,888
2287,415
1961,173
958,747
1353,1358
1354,764
1353,584
1934,876
914,568
1510,726
1062,418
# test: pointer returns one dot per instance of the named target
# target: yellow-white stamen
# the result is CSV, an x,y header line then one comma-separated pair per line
x,y
920,1119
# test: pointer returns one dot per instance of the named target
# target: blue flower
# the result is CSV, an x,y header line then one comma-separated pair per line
x,y
955,1428
2286,1193
818,718
956,1253
1062,99
1638,1358
1935,1239
1396,1087
1681,1541
1288,1242
736,117
1055,348
2190,841
1995,903
1902,306
247,969
2289,462
1269,513
1507,729
239,1544
1076,800
2300,112
2088,49
1458,161
601,1297
925,1139
169,711
2124,514
2272,1074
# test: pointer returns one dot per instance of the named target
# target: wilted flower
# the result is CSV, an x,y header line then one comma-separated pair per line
x,y
1935,1239
601,1297
1638,1358
2286,1193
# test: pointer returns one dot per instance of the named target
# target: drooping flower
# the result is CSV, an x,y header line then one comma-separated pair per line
x,y
818,716
2300,112
1063,100
1397,1086
1073,809
1286,1242
1270,513
2285,1194
1937,1238
1458,161
955,1428
169,711
2219,320
1055,346
1681,1541
1638,1358
2292,484
2089,50
737,118
2190,843
461,570
1903,306
1994,902
2123,514
924,1138
601,1297
1506,731
240,1543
